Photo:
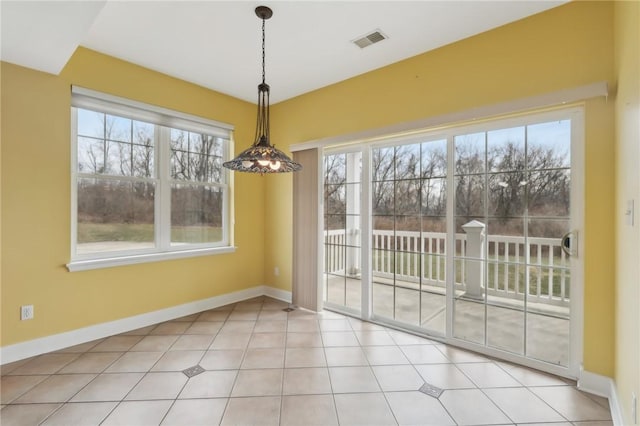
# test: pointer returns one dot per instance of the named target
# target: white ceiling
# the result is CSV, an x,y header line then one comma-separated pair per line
x,y
216,44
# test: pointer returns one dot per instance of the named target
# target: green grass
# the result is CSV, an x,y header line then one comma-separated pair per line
x,y
144,232
195,234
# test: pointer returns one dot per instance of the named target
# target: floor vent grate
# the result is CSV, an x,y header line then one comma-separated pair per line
x,y
193,371
431,390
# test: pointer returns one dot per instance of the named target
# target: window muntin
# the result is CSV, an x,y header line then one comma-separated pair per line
x,y
141,187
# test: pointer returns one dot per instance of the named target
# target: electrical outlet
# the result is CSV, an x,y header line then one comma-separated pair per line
x,y
26,312
634,408
276,271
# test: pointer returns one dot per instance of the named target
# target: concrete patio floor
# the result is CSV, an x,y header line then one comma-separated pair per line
x,y
544,333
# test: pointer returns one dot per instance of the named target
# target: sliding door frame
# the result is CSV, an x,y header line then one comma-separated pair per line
x,y
576,114
576,302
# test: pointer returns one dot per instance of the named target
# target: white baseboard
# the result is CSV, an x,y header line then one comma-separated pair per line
x,y
614,405
605,387
594,383
276,293
59,341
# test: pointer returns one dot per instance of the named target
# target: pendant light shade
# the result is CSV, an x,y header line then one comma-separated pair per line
x,y
262,157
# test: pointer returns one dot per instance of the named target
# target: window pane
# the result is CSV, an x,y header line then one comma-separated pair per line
x,y
382,164
196,157
179,140
506,195
408,161
335,169
217,171
549,193
143,133
470,153
180,165
91,154
205,144
219,147
202,168
114,155
196,214
505,150
198,143
407,200
432,225
434,197
143,160
505,240
383,232
382,198
334,222
470,195
545,242
118,128
115,215
434,159
544,228
143,149
334,199
119,159
407,234
197,167
90,123
549,145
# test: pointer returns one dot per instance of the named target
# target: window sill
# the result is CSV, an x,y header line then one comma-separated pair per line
x,y
108,262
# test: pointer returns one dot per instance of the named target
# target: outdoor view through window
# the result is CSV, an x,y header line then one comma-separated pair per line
x,y
474,216
144,187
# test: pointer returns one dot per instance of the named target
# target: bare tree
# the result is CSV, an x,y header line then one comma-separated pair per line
x,y
115,153
382,166
536,180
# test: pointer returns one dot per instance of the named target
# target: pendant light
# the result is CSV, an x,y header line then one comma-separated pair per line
x,y
262,157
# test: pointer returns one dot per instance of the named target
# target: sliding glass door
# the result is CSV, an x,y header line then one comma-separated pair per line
x,y
342,233
408,235
468,234
512,208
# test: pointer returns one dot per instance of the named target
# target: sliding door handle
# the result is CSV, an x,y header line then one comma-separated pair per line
x,y
569,243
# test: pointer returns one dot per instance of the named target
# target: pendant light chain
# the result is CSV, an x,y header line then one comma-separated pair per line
x,y
263,49
262,157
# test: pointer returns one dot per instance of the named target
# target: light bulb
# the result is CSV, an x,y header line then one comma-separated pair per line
x,y
247,164
263,163
274,165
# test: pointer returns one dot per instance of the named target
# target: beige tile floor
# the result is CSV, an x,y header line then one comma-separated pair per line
x,y
264,366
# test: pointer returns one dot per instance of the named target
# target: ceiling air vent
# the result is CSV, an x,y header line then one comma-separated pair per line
x,y
369,39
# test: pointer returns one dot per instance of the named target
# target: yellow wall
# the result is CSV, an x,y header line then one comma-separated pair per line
x,y
36,204
565,47
627,126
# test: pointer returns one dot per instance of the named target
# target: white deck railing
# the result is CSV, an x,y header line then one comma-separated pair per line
x,y
411,257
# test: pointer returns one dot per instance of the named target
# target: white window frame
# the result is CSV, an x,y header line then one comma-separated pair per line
x,y
163,119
